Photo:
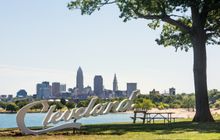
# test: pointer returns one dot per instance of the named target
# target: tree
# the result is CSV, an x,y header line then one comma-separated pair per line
x,y
11,107
186,24
20,104
63,101
58,104
3,105
83,103
145,104
70,105
162,105
188,102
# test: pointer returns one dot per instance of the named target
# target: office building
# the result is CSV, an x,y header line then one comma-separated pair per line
x,y
56,89
43,90
62,87
130,88
98,86
115,84
79,79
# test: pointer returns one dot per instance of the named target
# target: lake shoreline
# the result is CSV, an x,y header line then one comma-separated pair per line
x,y
178,112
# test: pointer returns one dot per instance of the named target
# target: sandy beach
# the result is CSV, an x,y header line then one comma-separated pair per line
x,y
182,112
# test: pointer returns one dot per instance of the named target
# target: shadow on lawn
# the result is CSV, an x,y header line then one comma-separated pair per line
x,y
120,129
160,129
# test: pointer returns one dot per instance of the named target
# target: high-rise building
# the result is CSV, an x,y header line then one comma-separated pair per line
x,y
56,89
130,88
62,87
98,86
39,91
115,83
43,90
79,79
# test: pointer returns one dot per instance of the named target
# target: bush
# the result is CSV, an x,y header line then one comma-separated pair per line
x,y
59,105
3,105
146,104
20,104
162,105
174,105
70,105
84,103
63,101
11,107
217,104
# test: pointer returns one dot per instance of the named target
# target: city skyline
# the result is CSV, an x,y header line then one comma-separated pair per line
x,y
49,44
56,90
56,86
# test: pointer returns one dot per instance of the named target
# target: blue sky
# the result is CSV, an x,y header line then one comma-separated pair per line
x,y
44,41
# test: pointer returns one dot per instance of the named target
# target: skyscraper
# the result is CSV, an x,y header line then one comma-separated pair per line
x,y
62,87
79,79
98,86
56,89
130,88
115,83
43,90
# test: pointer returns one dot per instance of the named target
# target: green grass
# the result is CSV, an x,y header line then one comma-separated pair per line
x,y
181,130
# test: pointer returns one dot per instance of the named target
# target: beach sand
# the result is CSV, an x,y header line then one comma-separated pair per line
x,y
182,112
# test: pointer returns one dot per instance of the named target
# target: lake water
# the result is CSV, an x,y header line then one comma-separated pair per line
x,y
35,119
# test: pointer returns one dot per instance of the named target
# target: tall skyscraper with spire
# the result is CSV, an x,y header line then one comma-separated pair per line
x,y
79,79
115,83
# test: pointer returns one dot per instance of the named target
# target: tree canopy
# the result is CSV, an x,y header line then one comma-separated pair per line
x,y
179,23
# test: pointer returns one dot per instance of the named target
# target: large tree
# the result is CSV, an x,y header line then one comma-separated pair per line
x,y
185,24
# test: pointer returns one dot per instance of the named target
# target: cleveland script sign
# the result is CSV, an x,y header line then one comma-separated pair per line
x,y
68,116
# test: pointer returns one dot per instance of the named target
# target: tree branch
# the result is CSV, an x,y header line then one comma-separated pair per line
x,y
108,2
164,17
167,19
179,24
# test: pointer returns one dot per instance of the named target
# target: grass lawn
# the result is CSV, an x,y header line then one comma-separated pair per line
x,y
181,130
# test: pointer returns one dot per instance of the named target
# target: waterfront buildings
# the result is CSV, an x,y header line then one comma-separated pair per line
x,y
172,91
154,92
98,86
62,87
4,97
43,90
21,94
56,89
130,88
79,79
115,83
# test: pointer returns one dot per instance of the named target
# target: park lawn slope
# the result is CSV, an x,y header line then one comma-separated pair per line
x,y
179,130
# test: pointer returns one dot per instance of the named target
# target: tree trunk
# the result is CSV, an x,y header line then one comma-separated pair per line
x,y
203,113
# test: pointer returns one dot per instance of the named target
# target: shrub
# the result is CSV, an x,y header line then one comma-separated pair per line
x,y
11,107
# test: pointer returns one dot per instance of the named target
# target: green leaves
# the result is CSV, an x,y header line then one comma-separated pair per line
x,y
88,6
145,104
182,17
173,36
